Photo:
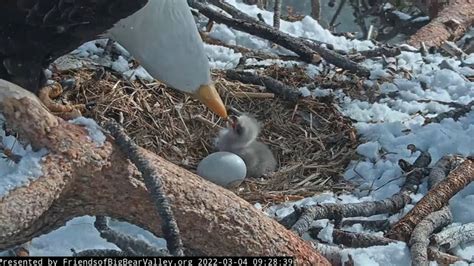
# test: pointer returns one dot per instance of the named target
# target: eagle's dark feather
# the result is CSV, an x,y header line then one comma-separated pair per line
x,y
33,33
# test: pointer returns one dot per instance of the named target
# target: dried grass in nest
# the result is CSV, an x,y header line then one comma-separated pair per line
x,y
313,143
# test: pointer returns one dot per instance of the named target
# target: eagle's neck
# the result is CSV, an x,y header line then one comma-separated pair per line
x,y
164,38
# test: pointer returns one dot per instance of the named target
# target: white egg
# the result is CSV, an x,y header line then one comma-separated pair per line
x,y
225,169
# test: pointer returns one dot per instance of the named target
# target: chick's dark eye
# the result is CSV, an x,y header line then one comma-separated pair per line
x,y
239,129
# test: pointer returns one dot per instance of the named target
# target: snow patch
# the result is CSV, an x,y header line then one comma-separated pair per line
x,y
95,131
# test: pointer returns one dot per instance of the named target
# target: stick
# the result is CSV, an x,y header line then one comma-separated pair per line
x,y
255,95
436,198
300,222
442,258
353,239
276,14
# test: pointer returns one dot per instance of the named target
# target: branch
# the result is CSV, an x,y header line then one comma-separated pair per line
x,y
353,239
454,236
81,178
455,114
442,168
248,52
332,253
420,238
442,258
273,85
308,52
276,14
436,198
261,30
129,245
301,221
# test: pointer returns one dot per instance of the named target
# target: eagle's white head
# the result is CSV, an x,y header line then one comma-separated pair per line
x,y
164,38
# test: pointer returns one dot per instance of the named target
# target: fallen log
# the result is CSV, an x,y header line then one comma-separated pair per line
x,y
80,178
450,24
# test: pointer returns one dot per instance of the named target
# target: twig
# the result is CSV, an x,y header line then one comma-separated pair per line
x,y
261,30
436,198
129,245
153,184
273,85
454,236
100,253
247,52
419,240
332,253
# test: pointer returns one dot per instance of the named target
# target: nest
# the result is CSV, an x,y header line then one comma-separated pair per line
x,y
312,141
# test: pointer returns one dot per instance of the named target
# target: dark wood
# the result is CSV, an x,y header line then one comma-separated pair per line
x,y
33,33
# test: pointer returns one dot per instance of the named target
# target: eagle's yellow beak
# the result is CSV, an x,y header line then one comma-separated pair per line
x,y
207,94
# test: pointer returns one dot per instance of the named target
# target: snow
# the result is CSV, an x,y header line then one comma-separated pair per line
x,y
95,131
386,127
13,175
80,234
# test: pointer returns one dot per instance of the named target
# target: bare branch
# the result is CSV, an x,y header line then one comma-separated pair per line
x,y
454,236
273,85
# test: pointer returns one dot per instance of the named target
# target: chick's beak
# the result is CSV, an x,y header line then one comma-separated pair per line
x,y
207,94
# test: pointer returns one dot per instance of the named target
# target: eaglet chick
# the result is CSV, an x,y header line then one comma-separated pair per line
x,y
241,138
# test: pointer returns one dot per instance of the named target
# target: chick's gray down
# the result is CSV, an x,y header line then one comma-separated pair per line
x,y
241,138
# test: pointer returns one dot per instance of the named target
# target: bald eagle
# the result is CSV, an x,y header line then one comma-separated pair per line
x,y
160,34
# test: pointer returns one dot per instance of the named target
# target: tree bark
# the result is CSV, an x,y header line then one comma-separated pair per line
x,y
450,24
80,178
